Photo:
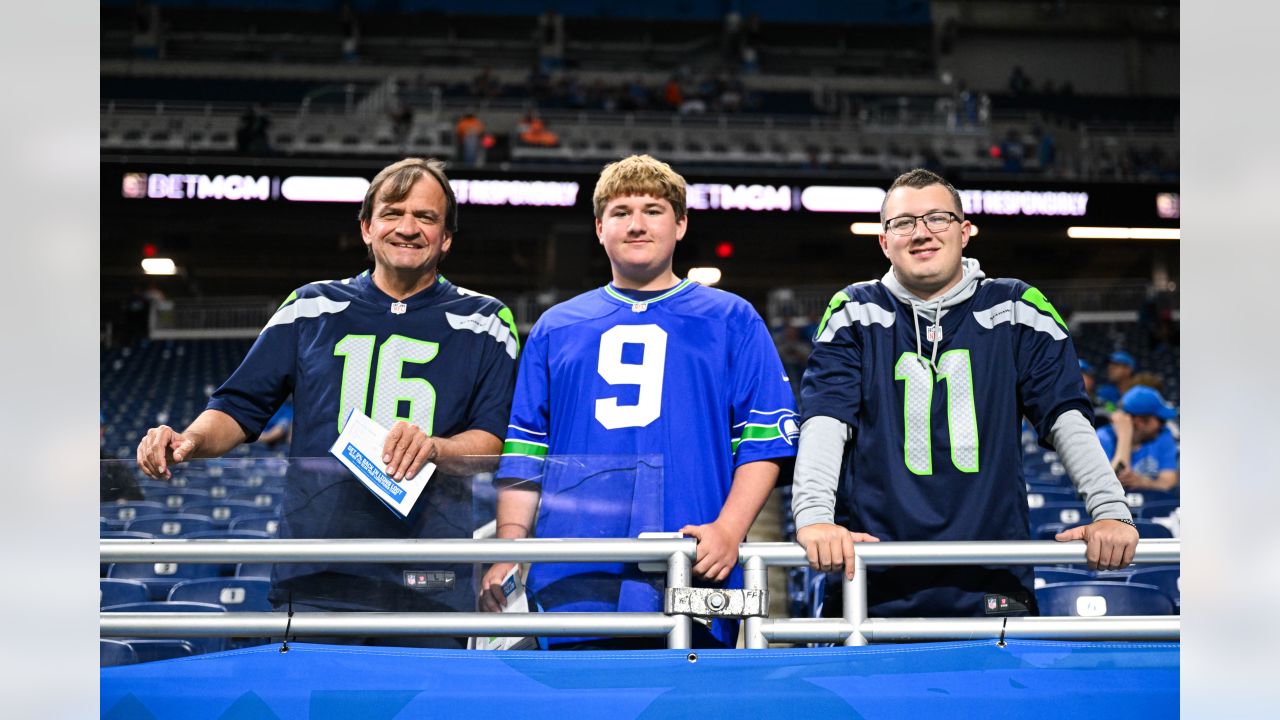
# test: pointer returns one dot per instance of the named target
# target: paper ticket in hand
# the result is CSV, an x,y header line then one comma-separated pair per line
x,y
517,602
359,447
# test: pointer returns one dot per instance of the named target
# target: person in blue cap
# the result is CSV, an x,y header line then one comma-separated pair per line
x,y
1140,443
1120,369
1102,409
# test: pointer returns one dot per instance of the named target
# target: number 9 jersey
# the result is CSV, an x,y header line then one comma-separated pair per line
x,y
690,378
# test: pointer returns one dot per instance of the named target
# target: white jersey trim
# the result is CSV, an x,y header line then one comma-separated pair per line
x,y
856,312
305,308
481,324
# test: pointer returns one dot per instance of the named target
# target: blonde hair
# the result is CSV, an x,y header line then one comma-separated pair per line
x,y
639,175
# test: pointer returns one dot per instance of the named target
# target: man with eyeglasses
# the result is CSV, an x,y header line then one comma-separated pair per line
x,y
913,401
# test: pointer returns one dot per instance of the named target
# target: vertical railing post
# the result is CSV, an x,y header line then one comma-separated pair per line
x,y
855,601
755,576
679,574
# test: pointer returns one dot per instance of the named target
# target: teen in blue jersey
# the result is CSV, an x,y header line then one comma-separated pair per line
x,y
657,377
433,362
915,393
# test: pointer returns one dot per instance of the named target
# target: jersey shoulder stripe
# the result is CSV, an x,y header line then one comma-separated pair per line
x,y
306,307
500,329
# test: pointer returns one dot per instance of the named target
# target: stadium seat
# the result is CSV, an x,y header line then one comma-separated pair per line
x,y
222,511
1156,509
200,645
1166,577
171,526
254,570
176,500
115,652
152,649
159,577
117,591
264,522
1053,575
1139,498
261,497
1152,530
1069,513
1099,598
1040,495
234,594
128,511
1047,531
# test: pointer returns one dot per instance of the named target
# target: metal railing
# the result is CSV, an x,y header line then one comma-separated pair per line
x,y
853,628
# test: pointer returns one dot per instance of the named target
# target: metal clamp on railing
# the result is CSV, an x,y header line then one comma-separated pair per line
x,y
682,601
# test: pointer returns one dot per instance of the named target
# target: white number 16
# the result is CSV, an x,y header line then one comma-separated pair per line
x,y
647,374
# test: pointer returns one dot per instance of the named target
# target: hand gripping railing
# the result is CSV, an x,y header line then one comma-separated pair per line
x,y
854,628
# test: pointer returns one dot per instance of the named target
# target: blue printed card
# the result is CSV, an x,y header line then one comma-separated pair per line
x,y
359,447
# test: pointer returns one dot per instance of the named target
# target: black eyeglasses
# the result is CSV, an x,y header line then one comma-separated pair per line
x,y
934,221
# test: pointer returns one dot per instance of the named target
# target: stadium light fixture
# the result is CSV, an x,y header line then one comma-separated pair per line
x,y
1123,233
159,266
705,275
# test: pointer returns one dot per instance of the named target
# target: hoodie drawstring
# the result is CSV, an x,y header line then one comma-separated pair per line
x,y
932,362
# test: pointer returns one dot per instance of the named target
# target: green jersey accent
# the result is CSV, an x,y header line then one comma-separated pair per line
x,y
837,300
1037,298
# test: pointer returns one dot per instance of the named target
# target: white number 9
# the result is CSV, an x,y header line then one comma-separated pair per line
x,y
647,374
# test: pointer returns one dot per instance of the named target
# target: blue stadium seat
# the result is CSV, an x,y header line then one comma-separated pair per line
x,y
159,577
262,498
115,652
153,649
176,499
1047,531
1151,530
1138,498
254,570
127,511
264,522
1100,598
1053,575
222,511
1156,509
200,645
1041,495
118,591
1166,577
234,594
171,526
1069,513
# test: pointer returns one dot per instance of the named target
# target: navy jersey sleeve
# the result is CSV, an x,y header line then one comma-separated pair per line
x,y
764,408
266,376
491,403
1049,379
832,384
527,434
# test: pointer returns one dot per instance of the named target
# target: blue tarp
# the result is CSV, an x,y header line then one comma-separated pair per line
x,y
974,680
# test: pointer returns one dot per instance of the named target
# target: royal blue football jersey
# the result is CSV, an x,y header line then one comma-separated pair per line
x,y
936,453
668,396
443,360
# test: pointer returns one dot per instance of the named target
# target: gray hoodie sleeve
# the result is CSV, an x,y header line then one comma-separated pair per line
x,y
1077,444
817,473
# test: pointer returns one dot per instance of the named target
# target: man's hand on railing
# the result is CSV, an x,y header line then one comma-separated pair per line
x,y
830,547
717,550
491,598
1111,543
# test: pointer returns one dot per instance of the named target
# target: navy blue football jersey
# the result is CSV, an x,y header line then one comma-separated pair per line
x,y
668,396
936,450
443,360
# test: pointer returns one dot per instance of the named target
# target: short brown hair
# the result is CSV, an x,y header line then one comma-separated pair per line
x,y
395,181
921,178
639,175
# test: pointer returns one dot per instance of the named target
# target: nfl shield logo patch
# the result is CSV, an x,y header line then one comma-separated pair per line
x,y
991,603
933,333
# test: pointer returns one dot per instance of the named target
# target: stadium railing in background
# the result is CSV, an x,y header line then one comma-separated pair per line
x,y
854,628
196,318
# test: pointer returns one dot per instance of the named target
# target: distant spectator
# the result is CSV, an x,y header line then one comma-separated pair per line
x,y
1102,409
533,131
1019,83
1120,369
400,113
469,133
550,38
1140,443
146,30
672,96
280,427
1046,150
1012,152
350,33
251,133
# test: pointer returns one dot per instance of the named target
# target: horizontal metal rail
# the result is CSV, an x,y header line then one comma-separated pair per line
x,y
388,550
936,629
274,624
855,628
